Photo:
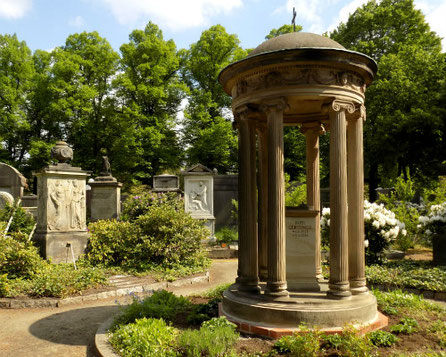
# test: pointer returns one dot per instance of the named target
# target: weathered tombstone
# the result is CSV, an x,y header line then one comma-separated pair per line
x,y
12,181
61,230
105,202
29,203
6,199
301,252
166,183
199,195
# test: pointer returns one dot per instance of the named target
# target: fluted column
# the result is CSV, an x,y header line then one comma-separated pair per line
x,y
312,132
339,286
248,265
263,200
276,282
355,164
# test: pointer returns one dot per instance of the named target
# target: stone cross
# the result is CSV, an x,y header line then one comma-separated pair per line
x,y
293,21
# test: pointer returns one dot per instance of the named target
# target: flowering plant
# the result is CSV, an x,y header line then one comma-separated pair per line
x,y
435,221
381,228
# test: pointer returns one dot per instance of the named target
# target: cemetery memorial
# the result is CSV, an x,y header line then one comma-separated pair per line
x,y
311,81
61,230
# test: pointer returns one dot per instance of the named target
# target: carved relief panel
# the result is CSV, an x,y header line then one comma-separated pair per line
x,y
198,195
65,206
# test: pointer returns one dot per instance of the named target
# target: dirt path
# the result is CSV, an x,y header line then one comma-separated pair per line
x,y
69,331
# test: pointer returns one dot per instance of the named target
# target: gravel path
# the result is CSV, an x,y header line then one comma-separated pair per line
x,y
69,331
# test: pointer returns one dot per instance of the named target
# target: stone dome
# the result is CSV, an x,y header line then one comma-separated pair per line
x,y
295,40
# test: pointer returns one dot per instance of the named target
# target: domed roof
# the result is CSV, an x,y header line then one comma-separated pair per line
x,y
295,40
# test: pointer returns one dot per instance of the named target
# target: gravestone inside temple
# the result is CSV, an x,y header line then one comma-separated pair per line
x,y
105,194
199,195
301,249
61,231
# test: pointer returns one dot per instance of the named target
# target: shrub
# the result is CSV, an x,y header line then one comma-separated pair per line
x,y
226,235
163,236
203,312
18,259
295,194
349,343
435,221
215,338
305,343
22,221
382,338
140,204
161,304
145,337
111,242
381,228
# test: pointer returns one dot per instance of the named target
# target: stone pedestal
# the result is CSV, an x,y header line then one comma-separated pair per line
x,y
199,195
61,232
105,198
302,250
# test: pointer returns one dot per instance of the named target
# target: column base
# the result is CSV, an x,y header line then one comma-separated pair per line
x,y
248,285
358,286
276,289
339,291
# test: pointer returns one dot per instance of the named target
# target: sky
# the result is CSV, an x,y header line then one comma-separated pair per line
x,y
45,24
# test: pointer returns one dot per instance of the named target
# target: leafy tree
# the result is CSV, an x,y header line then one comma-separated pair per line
x,y
149,93
404,129
16,71
282,30
208,133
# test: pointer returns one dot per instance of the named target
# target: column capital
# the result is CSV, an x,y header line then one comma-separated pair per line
x,y
244,112
312,128
338,105
278,104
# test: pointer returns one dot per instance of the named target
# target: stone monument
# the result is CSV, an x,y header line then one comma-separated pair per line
x,y
166,183
311,81
11,181
61,232
199,195
105,199
6,199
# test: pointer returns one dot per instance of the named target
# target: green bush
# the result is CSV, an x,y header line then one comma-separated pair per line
x,y
349,343
145,337
203,312
215,338
226,235
161,304
382,338
22,221
305,343
18,259
140,204
163,236
295,194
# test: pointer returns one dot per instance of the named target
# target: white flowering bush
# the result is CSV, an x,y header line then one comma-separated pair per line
x,y
435,221
381,229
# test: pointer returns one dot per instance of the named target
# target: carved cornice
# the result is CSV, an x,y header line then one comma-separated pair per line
x,y
277,76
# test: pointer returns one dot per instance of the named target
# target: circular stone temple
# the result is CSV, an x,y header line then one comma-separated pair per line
x,y
311,81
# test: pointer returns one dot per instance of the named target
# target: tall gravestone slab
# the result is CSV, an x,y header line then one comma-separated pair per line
x,y
61,231
301,249
105,195
199,195
11,181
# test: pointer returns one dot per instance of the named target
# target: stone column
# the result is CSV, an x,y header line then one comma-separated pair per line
x,y
355,164
312,132
263,200
339,287
276,282
248,246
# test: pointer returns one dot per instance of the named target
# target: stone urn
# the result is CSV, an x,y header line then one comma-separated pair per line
x,y
439,247
62,152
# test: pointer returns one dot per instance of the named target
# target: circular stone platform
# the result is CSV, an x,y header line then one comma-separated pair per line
x,y
255,313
